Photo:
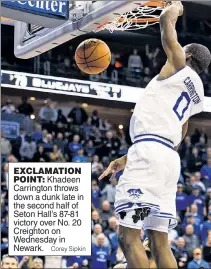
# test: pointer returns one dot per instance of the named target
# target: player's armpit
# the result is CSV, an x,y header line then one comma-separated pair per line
x,y
174,51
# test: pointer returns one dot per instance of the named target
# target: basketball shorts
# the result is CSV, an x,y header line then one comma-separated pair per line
x,y
149,181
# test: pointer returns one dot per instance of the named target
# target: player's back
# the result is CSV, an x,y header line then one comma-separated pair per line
x,y
167,104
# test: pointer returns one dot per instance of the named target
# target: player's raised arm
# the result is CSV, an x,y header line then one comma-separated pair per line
x,y
172,48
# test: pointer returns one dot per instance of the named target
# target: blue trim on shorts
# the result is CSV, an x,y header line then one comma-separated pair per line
x,y
124,206
153,140
128,205
159,136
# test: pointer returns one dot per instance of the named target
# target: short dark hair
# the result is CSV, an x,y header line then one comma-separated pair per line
x,y
200,57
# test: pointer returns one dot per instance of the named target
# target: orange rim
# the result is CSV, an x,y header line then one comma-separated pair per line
x,y
140,20
155,4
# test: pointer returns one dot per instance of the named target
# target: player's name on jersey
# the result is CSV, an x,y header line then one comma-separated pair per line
x,y
192,91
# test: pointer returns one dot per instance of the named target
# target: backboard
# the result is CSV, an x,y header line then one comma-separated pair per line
x,y
84,16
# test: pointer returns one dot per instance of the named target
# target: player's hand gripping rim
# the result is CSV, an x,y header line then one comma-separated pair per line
x,y
114,167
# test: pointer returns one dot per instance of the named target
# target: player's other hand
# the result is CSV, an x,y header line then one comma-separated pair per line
x,y
179,5
114,167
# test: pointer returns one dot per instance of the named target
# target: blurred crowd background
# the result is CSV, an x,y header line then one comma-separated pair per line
x,y
81,135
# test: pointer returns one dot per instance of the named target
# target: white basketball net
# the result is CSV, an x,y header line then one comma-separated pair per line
x,y
139,18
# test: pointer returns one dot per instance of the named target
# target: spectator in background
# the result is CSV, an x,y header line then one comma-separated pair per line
x,y
111,234
206,226
40,155
77,116
135,61
181,247
10,262
69,261
196,198
206,155
96,231
116,143
87,128
204,135
207,250
9,108
100,254
74,146
208,198
197,261
109,192
97,167
96,194
48,115
80,157
6,147
146,75
18,142
105,125
95,120
4,228
201,146
27,149
194,211
191,240
90,149
185,148
194,161
11,159
25,108
206,169
189,219
195,137
44,136
181,201
61,118
48,143
56,155
108,143
199,183
61,144
95,218
37,263
105,213
151,57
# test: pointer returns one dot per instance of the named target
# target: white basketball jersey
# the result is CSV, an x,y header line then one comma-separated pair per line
x,y
167,104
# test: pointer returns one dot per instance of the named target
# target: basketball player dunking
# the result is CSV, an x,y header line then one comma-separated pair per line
x,y
145,195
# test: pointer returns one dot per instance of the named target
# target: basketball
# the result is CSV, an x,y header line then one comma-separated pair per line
x,y
93,56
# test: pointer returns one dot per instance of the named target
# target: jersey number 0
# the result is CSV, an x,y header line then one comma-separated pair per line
x,y
182,105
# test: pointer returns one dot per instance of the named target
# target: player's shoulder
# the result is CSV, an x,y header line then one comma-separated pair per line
x,y
191,73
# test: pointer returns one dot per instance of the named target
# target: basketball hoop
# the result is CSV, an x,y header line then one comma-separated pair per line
x,y
147,13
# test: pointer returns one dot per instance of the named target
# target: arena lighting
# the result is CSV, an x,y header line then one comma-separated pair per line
x,y
32,117
121,126
32,98
84,105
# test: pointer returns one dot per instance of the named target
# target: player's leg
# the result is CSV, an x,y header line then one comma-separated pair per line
x,y
157,226
132,247
161,249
